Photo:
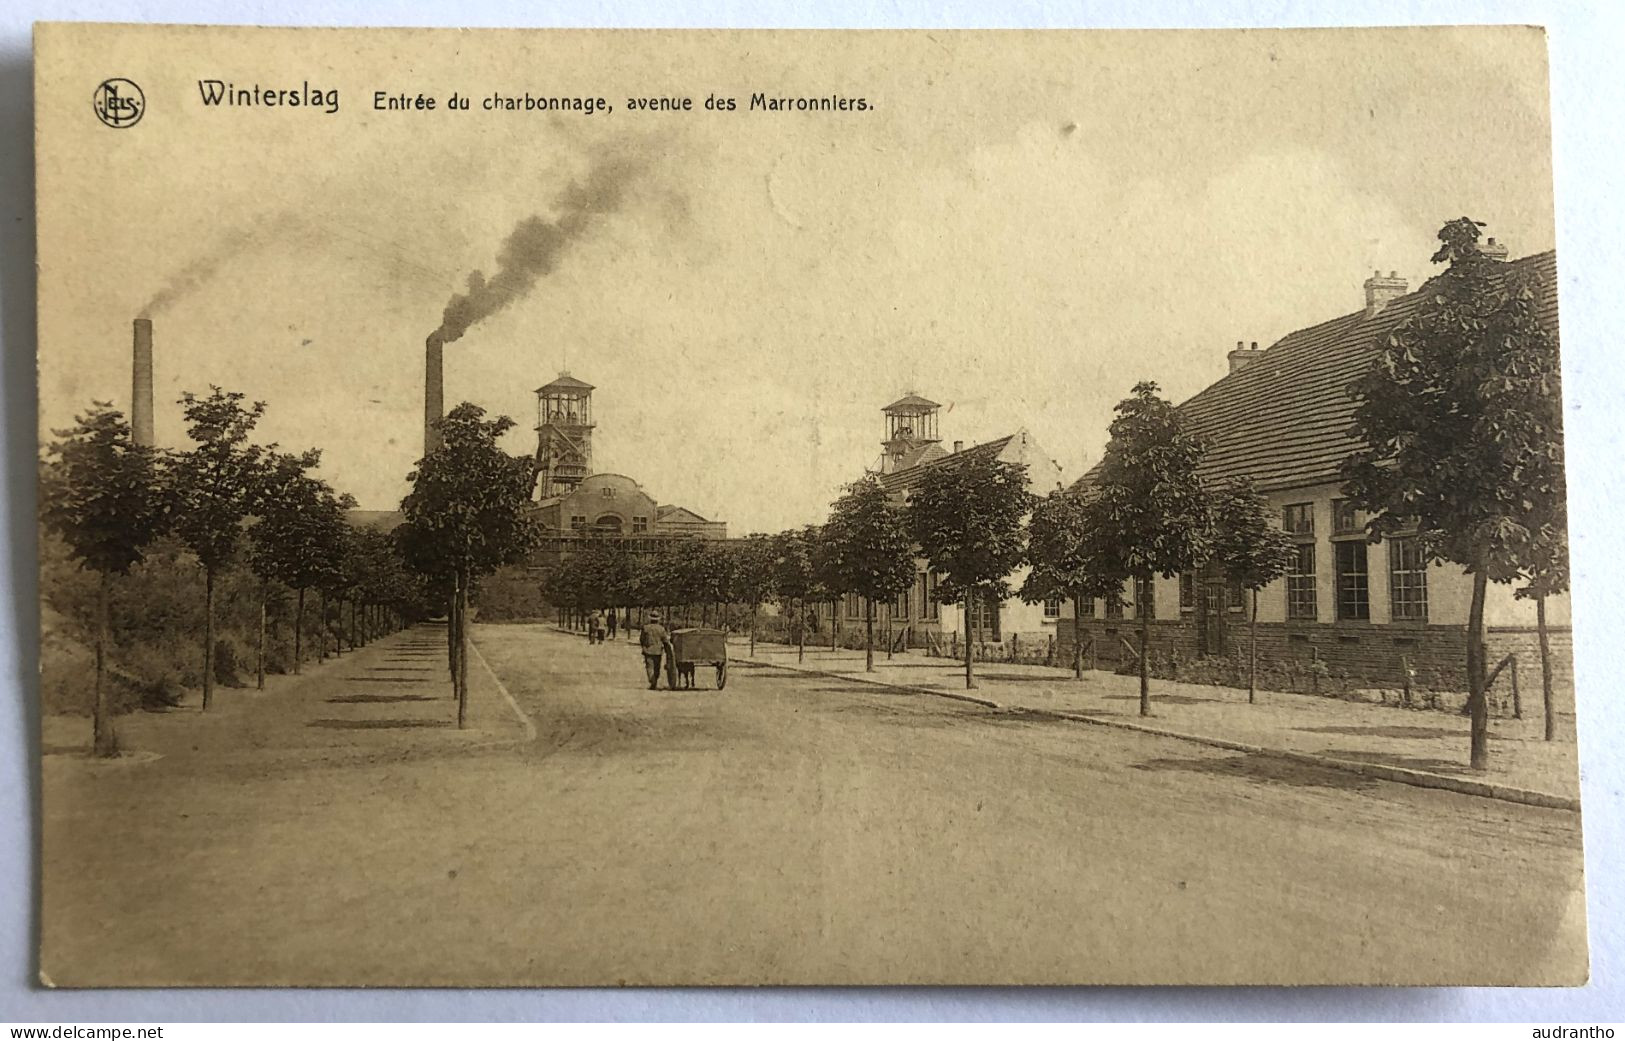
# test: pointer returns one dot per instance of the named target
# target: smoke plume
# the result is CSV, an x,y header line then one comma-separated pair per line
x,y
533,249
198,272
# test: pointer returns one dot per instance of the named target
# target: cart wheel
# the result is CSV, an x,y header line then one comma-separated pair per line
x,y
722,674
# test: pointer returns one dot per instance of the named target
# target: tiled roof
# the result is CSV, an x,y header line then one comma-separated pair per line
x,y
900,482
1286,419
929,452
668,512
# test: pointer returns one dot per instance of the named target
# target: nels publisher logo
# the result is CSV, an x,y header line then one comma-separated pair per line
x,y
119,103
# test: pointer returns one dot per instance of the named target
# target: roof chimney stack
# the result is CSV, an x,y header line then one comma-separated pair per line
x,y
1380,289
1244,356
1494,250
959,446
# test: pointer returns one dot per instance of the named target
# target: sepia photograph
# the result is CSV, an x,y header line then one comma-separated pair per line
x,y
574,508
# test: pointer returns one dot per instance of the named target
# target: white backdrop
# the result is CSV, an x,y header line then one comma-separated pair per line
x,y
1587,89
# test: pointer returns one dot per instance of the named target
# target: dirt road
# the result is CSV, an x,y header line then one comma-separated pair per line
x,y
793,829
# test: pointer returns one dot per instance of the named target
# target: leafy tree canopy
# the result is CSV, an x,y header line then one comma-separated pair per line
x,y
1149,504
1461,415
867,547
1065,553
1247,544
216,485
968,520
468,506
100,492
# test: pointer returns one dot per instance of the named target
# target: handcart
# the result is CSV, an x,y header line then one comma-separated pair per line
x,y
699,647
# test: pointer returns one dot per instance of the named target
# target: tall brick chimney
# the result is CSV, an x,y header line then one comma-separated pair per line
x,y
1243,356
433,393
1380,288
141,384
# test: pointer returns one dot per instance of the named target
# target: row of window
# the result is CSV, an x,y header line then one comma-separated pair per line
x,y
610,522
919,603
1351,575
1407,574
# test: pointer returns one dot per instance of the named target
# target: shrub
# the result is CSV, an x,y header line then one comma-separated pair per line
x,y
225,663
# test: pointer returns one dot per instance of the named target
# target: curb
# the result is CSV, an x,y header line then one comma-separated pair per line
x,y
524,720
1396,774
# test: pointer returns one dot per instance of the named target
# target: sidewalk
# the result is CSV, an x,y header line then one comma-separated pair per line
x,y
1427,748
389,699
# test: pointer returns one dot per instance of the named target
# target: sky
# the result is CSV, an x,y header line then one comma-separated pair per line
x,y
1021,228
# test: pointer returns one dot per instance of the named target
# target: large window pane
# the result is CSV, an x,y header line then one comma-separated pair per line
x,y
1300,583
1407,581
1353,586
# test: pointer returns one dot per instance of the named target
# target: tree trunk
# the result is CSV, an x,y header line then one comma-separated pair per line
x,y
1077,637
259,650
103,741
208,638
462,653
1477,699
451,637
801,631
834,622
1144,618
299,632
1252,653
753,630
970,669
1545,668
868,635
321,624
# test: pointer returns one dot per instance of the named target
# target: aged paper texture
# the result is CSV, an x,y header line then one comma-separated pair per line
x,y
612,507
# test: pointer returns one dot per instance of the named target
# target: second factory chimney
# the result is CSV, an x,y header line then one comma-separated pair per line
x,y
141,385
433,394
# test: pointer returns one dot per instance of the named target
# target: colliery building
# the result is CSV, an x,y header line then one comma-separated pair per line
x,y
574,503
1371,612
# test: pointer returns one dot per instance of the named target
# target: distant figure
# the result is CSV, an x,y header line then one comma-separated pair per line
x,y
612,616
655,641
595,627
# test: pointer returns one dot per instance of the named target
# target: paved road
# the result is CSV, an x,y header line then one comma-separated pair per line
x,y
800,829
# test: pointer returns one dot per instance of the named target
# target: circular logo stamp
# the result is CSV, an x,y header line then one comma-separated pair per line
x,y
119,103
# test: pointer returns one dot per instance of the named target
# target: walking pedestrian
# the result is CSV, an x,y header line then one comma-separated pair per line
x,y
654,641
612,616
595,632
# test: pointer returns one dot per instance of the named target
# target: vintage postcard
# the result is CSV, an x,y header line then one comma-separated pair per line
x,y
563,508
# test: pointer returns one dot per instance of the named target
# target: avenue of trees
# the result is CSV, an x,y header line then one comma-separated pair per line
x,y
1460,413
170,564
